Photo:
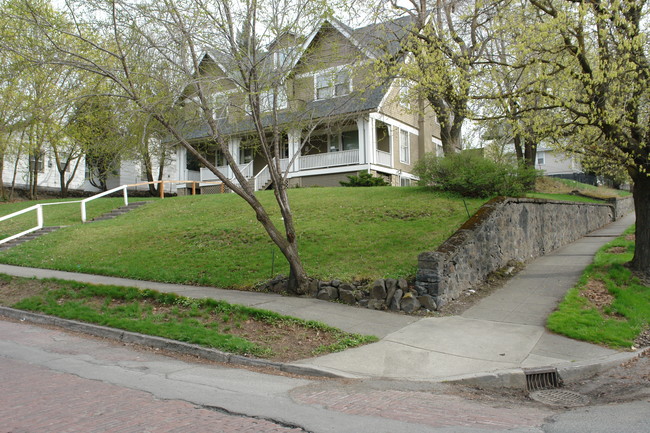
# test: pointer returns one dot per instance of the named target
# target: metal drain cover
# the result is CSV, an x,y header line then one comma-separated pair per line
x,y
559,397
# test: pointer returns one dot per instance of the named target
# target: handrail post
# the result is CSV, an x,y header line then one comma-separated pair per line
x,y
39,216
83,211
193,188
161,188
126,196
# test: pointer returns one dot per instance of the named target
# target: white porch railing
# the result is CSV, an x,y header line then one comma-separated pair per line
x,y
384,158
264,175
330,159
193,175
207,175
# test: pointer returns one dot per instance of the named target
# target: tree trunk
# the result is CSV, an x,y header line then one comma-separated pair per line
x,y
641,260
451,134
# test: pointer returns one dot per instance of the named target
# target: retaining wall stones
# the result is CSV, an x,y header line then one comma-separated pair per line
x,y
503,230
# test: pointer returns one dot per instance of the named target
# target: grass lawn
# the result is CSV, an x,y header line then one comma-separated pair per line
x,y
344,233
609,305
66,213
207,322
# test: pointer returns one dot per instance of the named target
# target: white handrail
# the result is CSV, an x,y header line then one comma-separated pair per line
x,y
262,178
111,191
39,221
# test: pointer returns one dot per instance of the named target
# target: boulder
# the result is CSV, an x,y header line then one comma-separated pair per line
x,y
328,293
428,302
395,300
347,296
376,304
409,303
378,290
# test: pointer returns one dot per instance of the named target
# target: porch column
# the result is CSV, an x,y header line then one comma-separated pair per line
x,y
295,139
181,163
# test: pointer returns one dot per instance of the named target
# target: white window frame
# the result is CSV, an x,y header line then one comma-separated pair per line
x,y
404,147
541,158
266,100
331,78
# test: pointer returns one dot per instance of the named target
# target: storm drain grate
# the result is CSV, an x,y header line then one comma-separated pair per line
x,y
542,378
560,397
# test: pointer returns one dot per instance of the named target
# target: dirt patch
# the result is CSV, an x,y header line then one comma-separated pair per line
x,y
11,292
626,382
286,340
617,250
596,292
630,238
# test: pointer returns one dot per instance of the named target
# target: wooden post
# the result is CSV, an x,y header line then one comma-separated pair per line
x,y
193,188
162,189
222,188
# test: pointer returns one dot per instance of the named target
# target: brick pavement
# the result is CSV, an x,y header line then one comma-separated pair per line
x,y
432,409
35,399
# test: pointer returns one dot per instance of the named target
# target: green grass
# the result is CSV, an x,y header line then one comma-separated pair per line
x,y
563,197
344,233
586,187
204,322
615,325
54,215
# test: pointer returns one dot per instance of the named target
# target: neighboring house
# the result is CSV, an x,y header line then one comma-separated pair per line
x,y
359,127
556,163
48,175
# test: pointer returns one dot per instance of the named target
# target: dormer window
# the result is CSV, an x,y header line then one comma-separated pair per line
x,y
331,83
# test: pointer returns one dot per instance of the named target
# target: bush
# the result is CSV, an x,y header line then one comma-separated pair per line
x,y
365,179
471,175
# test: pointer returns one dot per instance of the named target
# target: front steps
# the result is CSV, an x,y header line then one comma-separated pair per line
x,y
119,211
28,237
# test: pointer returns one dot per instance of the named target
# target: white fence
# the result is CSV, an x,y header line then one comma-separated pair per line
x,y
331,159
384,158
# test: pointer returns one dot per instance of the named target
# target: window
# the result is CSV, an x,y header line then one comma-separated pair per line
x,y
541,158
266,100
282,57
332,83
219,101
64,157
245,154
37,162
350,140
404,147
220,159
404,181
404,96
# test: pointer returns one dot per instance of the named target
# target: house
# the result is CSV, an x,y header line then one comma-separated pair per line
x,y
334,116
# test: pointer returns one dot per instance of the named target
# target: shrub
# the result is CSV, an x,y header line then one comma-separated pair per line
x,y
471,175
365,179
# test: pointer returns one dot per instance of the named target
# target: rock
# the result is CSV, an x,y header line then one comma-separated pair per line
x,y
376,304
279,286
409,303
395,300
312,289
346,286
363,303
328,293
335,283
402,284
378,290
359,295
391,287
428,302
347,296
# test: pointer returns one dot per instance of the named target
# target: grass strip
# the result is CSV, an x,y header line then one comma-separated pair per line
x,y
206,322
609,305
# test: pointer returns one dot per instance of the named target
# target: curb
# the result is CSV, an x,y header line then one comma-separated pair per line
x,y
162,343
569,372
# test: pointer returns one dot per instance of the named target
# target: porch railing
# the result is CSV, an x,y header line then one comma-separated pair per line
x,y
246,169
264,176
330,159
384,158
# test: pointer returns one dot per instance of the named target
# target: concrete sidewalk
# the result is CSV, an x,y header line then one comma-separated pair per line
x,y
495,339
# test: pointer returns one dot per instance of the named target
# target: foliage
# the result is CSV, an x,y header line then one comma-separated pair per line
x,y
344,233
472,175
365,179
616,323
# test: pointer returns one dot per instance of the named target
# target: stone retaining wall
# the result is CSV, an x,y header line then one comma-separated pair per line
x,y
504,230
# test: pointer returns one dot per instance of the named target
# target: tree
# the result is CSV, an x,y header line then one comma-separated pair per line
x,y
446,48
598,75
154,51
